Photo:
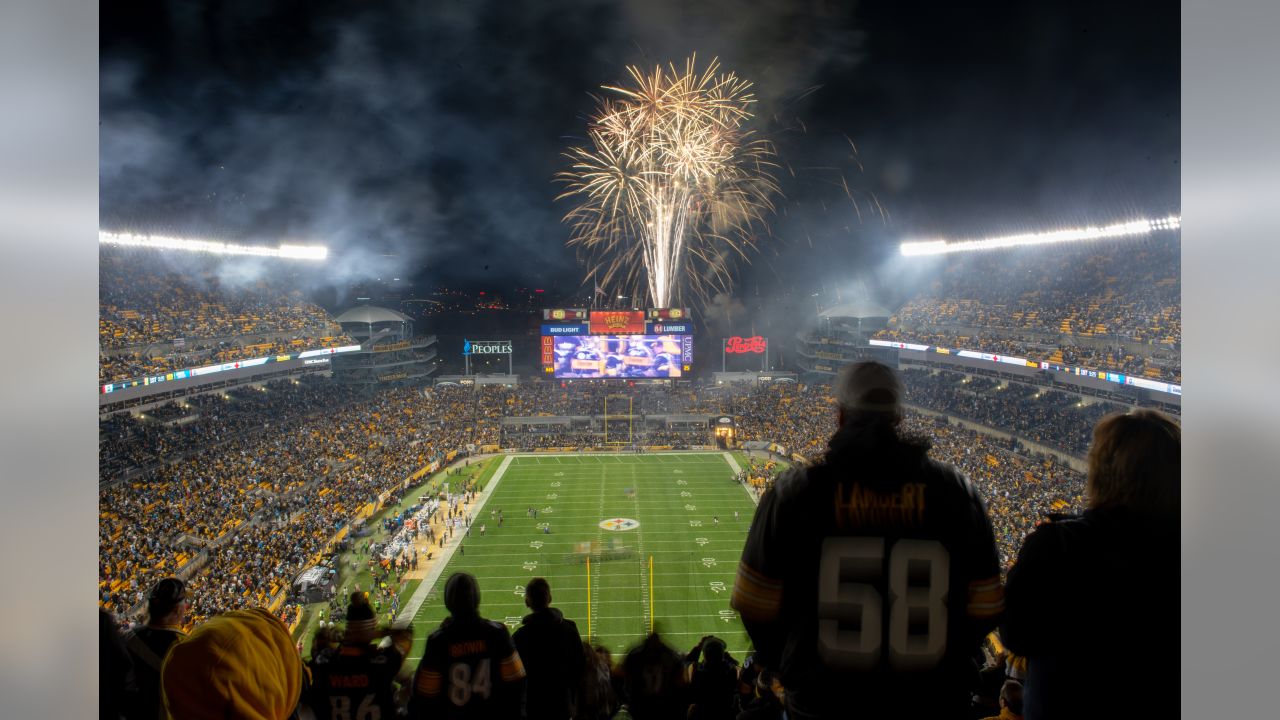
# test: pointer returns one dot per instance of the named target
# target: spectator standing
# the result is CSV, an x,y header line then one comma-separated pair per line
x,y
873,575
551,649
357,679
654,681
240,664
1111,575
470,668
595,698
714,685
116,685
166,611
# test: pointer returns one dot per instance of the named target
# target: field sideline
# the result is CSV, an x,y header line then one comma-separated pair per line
x,y
663,505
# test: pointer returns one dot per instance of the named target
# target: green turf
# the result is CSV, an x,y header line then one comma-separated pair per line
x,y
676,498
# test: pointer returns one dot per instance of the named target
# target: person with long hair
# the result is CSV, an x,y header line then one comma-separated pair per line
x,y
1088,589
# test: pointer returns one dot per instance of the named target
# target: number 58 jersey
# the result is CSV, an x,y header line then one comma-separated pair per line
x,y
869,580
470,669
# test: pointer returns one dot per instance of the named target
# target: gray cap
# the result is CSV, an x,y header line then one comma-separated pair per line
x,y
869,386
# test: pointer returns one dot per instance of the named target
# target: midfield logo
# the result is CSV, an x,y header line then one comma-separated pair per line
x,y
619,524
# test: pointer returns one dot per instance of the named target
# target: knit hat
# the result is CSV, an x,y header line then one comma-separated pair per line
x,y
869,386
462,595
713,651
360,620
240,664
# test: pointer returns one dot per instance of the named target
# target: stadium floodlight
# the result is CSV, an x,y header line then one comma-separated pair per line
x,y
165,242
1137,227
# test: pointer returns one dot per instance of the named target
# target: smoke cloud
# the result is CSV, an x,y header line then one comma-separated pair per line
x,y
420,140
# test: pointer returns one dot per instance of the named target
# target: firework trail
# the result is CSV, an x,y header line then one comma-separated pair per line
x,y
671,184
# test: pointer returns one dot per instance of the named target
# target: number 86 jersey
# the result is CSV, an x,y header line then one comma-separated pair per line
x,y
869,581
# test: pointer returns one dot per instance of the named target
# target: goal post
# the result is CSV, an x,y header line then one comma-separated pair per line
x,y
619,413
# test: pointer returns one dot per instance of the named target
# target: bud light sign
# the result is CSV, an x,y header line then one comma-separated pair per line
x,y
740,345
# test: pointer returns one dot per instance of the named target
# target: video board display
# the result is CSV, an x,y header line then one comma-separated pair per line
x,y
617,356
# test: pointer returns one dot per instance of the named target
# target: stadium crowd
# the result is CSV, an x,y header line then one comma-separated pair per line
x,y
127,365
159,312
147,296
253,509
256,480
1049,417
1027,304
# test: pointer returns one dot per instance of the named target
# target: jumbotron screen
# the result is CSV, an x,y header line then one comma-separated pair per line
x,y
617,356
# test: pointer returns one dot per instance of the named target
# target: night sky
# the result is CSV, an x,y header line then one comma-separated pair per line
x,y
421,138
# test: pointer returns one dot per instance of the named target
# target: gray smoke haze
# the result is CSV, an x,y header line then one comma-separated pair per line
x,y
423,134
421,139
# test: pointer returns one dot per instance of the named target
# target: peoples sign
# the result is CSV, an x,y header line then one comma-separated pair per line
x,y
735,345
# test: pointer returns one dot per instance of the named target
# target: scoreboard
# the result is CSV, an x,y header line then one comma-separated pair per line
x,y
654,343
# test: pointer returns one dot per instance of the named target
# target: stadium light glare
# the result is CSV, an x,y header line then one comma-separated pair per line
x,y
914,248
165,242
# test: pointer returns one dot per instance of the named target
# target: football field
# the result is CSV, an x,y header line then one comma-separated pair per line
x,y
657,532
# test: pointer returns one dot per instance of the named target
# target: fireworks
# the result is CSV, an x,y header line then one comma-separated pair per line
x,y
672,185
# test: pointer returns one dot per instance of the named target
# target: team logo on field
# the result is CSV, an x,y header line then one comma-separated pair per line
x,y
619,524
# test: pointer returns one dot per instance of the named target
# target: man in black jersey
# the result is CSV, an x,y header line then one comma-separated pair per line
x,y
869,579
355,679
470,668
166,611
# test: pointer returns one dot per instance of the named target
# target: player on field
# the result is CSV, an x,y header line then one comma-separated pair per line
x,y
355,679
869,579
470,668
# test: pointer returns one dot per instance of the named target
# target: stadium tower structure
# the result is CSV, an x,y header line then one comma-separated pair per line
x,y
390,353
841,335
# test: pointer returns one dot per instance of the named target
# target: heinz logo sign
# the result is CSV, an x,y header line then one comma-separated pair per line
x,y
735,345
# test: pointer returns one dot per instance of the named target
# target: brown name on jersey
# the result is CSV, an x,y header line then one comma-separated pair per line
x,y
859,507
470,647
349,681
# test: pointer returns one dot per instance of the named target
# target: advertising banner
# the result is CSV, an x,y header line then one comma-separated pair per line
x,y
486,347
740,345
617,322
566,329
665,314
565,315
669,328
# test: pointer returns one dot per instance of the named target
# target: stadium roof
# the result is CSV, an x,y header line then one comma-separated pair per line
x,y
855,309
369,314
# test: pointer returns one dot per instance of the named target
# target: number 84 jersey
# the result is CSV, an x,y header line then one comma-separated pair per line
x,y
871,578
469,669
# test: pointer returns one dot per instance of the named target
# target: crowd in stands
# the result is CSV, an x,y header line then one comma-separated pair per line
x,y
255,508
1036,305
251,484
129,443
1049,417
154,296
162,311
128,365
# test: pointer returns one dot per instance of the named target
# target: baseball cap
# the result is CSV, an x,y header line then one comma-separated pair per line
x,y
165,596
869,386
